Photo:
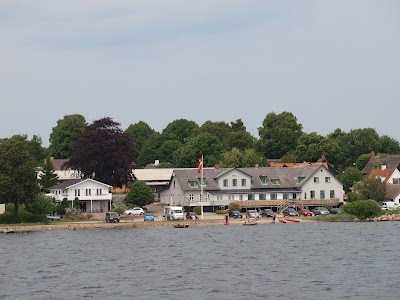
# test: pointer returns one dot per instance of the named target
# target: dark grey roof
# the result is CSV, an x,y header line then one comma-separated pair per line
x,y
391,162
65,184
288,177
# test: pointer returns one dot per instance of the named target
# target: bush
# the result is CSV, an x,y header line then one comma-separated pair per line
x,y
60,210
8,218
351,197
197,210
235,206
119,210
42,205
221,212
363,209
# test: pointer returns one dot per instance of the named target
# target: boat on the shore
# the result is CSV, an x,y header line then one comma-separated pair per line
x,y
282,221
250,223
292,220
181,225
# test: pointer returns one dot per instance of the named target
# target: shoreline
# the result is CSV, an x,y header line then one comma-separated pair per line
x,y
127,224
100,224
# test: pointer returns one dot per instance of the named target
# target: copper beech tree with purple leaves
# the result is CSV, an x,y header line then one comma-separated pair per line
x,y
104,153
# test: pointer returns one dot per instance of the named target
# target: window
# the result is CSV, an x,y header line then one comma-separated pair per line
x,y
192,183
322,194
264,179
305,195
219,197
174,184
234,182
262,197
274,196
327,179
300,179
191,197
275,181
396,180
316,179
77,192
225,182
285,196
332,194
201,197
201,181
231,197
312,194
98,192
240,197
88,192
250,197
243,182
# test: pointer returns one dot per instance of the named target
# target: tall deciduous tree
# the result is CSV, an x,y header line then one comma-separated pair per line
x,y
140,194
389,145
279,134
349,177
182,128
140,132
18,184
48,178
67,131
103,152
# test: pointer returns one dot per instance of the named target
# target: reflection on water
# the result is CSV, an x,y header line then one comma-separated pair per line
x,y
294,261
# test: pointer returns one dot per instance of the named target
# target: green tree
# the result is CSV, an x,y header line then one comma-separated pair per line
x,y
139,132
67,132
42,205
279,134
238,125
220,130
373,188
349,177
389,145
362,161
181,128
205,144
38,152
140,194
237,158
18,184
363,209
103,152
48,178
239,139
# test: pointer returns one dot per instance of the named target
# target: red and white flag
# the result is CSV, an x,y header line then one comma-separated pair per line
x,y
200,164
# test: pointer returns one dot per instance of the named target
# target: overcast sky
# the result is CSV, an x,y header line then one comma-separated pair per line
x,y
333,64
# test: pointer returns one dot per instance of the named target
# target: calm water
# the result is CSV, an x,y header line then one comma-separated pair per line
x,y
292,261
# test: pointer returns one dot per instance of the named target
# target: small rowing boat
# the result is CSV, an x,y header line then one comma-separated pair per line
x,y
282,221
249,223
181,225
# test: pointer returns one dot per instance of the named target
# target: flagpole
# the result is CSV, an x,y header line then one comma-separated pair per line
x,y
201,186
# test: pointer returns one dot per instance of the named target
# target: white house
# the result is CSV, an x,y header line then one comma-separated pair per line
x,y
93,195
254,187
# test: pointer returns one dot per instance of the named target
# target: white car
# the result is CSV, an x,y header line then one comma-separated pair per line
x,y
136,211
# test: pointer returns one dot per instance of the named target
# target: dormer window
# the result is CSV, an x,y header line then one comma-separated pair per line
x,y
300,179
264,179
193,183
275,181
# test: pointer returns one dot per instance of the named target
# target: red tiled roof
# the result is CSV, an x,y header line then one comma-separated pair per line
x,y
386,173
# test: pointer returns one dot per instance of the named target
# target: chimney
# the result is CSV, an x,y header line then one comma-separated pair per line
x,y
217,166
257,166
156,162
372,154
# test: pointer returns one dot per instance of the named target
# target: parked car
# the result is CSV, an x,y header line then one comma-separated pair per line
x,y
334,211
112,217
305,213
252,213
191,215
148,217
235,214
321,211
267,213
290,212
136,211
